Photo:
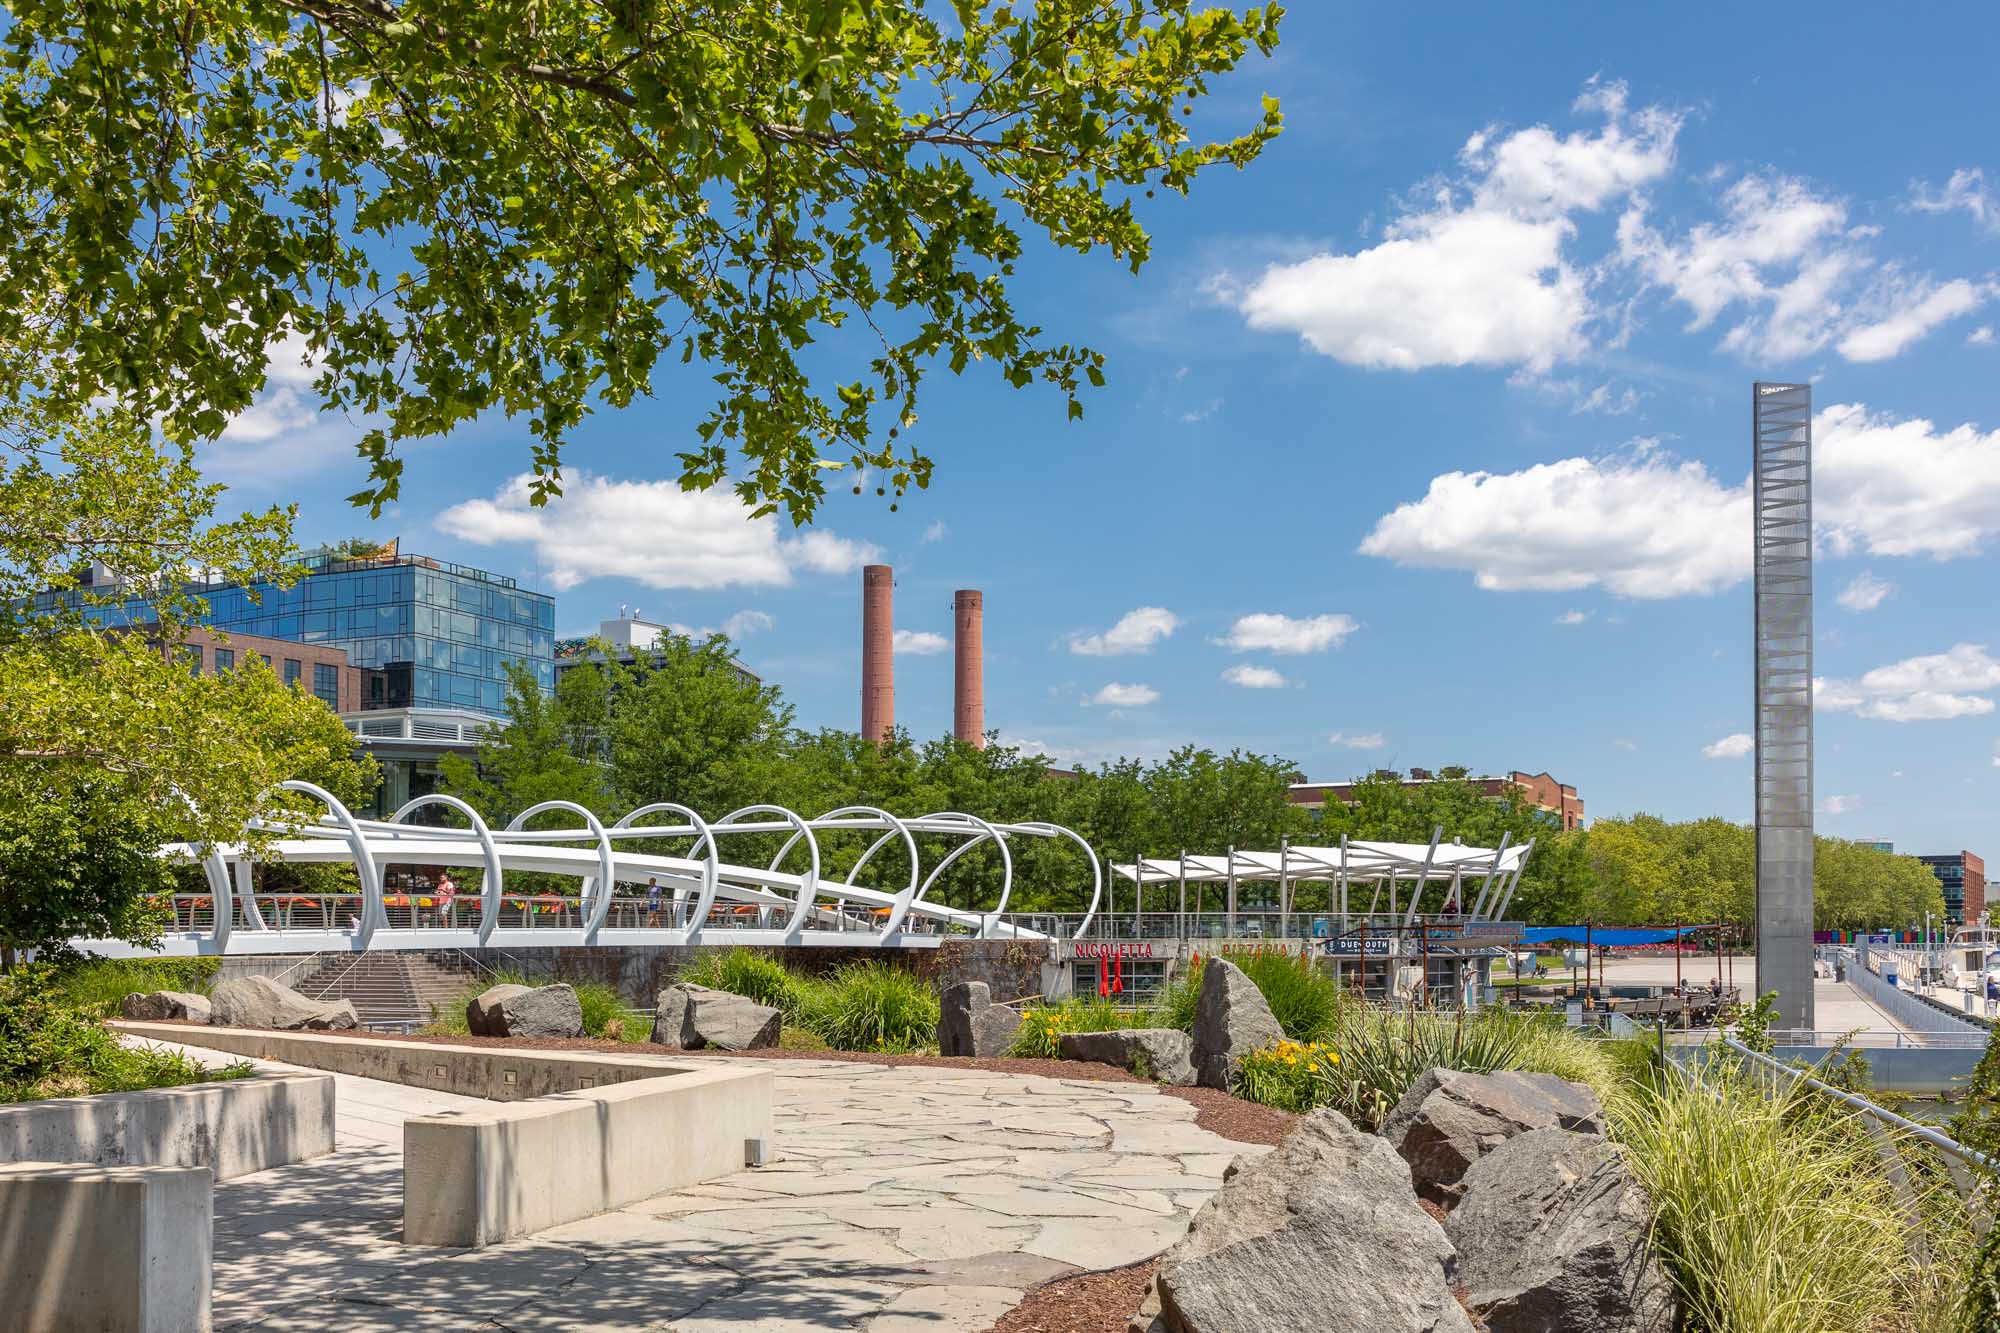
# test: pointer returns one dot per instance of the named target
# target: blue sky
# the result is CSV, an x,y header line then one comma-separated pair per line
x,y
1426,438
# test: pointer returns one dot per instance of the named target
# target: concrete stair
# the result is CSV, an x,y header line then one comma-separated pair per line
x,y
390,988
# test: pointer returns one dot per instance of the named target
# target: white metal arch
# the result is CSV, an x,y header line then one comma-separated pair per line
x,y
856,913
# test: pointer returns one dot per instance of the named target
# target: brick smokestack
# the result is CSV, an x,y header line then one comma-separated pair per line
x,y
878,652
968,711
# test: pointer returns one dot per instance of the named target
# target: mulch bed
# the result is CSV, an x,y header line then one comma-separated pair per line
x,y
1215,1111
1087,1303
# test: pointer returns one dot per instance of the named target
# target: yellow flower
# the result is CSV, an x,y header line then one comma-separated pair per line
x,y
1291,1060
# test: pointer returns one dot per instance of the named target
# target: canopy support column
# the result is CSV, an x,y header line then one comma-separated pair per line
x,y
1229,912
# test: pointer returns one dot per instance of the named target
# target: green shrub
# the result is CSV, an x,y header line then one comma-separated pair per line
x,y
51,1048
1292,1076
873,1007
757,976
1177,1002
99,985
1304,1000
1042,1025
1771,1212
601,1006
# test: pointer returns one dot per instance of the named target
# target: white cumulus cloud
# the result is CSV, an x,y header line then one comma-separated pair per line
x,y
920,643
1839,805
1477,273
1642,523
1954,683
1903,487
1791,274
1734,746
1572,617
1136,632
1638,523
1366,741
1119,695
1866,592
651,532
1254,677
936,532
1268,631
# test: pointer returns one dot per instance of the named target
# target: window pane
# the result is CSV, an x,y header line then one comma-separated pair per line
x,y
293,670
225,660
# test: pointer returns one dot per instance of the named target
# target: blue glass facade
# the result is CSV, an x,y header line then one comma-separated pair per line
x,y
426,633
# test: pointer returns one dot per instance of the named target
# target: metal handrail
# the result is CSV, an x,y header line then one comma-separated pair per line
x,y
1962,1161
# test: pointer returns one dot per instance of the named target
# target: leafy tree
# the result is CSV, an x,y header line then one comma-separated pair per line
x,y
463,207
550,748
109,747
685,724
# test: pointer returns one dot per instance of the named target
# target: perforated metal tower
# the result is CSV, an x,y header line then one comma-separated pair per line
x,y
1782,430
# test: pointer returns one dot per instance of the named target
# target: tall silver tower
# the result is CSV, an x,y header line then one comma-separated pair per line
x,y
1782,414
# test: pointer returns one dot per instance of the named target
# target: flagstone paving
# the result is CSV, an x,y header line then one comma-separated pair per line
x,y
901,1200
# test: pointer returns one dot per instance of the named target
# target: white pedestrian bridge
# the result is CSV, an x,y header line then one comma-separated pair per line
x,y
784,898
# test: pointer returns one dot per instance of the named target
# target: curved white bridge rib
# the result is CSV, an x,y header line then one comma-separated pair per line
x,y
785,896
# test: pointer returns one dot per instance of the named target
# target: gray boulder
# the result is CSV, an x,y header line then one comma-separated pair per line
x,y
1230,1021
165,1004
482,1011
957,1007
1321,1233
993,1031
730,1022
1165,1054
530,1011
1553,1234
1449,1119
259,1002
692,1017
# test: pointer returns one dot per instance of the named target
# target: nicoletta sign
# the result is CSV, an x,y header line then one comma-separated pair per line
x,y
1110,949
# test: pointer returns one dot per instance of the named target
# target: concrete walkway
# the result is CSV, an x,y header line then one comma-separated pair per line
x,y
902,1199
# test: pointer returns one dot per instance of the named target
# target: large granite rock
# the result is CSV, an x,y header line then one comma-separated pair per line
x,y
1552,1234
960,1003
1231,1020
152,1006
970,1024
482,1011
259,1002
1166,1054
692,1017
993,1031
530,1011
1322,1233
1449,1119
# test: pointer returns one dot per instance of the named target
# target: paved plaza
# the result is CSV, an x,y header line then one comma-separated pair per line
x,y
902,1199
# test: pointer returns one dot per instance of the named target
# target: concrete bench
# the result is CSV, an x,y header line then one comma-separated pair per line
x,y
478,1179
89,1248
564,1134
232,1128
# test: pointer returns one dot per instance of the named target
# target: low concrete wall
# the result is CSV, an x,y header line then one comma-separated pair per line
x,y
476,1180
231,1128
569,1133
496,1073
84,1249
1921,1070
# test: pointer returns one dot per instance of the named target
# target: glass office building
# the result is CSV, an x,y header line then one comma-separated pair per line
x,y
426,633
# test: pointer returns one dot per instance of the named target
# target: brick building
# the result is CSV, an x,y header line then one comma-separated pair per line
x,y
323,671
1963,878
1538,790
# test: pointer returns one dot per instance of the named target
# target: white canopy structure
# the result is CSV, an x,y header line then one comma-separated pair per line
x,y
1480,881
